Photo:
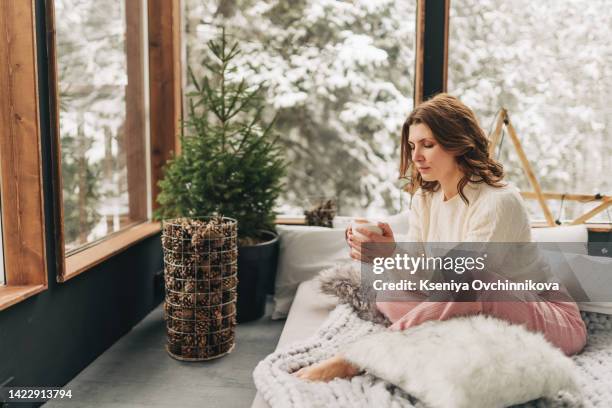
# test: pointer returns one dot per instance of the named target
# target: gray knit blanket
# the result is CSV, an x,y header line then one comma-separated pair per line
x,y
343,326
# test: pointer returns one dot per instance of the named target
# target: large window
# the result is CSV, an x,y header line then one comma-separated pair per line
x,y
101,107
98,59
550,64
340,76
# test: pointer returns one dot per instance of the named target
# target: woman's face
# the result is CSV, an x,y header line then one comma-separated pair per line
x,y
430,159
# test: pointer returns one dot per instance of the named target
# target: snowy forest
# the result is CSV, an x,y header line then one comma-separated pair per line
x,y
549,63
339,76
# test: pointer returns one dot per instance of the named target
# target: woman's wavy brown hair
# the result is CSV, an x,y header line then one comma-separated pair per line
x,y
456,129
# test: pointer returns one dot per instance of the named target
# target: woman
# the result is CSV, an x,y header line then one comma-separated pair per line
x,y
461,198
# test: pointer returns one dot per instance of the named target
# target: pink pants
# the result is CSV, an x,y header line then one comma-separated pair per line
x,y
559,321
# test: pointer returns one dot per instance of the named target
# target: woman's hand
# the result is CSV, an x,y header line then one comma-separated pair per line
x,y
348,233
327,370
378,245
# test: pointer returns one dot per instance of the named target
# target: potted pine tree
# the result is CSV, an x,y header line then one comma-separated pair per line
x,y
231,165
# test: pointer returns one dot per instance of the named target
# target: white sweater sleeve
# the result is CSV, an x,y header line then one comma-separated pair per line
x,y
501,217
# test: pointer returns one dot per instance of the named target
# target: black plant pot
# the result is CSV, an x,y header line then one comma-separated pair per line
x,y
256,269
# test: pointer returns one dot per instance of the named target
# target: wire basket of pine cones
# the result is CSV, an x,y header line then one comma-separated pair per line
x,y
200,272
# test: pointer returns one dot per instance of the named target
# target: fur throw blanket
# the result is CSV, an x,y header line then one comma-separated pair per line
x,y
344,282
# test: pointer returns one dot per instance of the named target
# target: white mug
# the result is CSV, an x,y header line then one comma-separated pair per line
x,y
366,224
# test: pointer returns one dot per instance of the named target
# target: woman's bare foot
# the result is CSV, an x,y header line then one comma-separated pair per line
x,y
327,370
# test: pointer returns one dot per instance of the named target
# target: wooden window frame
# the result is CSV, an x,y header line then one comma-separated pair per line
x,y
431,62
162,19
165,84
21,186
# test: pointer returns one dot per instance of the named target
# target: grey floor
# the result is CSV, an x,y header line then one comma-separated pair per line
x,y
137,372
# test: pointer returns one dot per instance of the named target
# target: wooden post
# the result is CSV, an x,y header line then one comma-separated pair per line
x,y
583,198
165,84
601,207
538,193
529,173
495,136
133,136
420,52
21,191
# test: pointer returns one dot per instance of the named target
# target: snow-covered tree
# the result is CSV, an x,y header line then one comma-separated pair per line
x,y
340,76
549,63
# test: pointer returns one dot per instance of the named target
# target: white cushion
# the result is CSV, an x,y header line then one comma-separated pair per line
x,y
566,233
306,251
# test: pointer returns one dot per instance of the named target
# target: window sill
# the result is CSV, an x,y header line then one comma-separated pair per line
x,y
290,220
81,261
592,227
10,295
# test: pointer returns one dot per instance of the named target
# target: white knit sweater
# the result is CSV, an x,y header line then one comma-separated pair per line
x,y
493,215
